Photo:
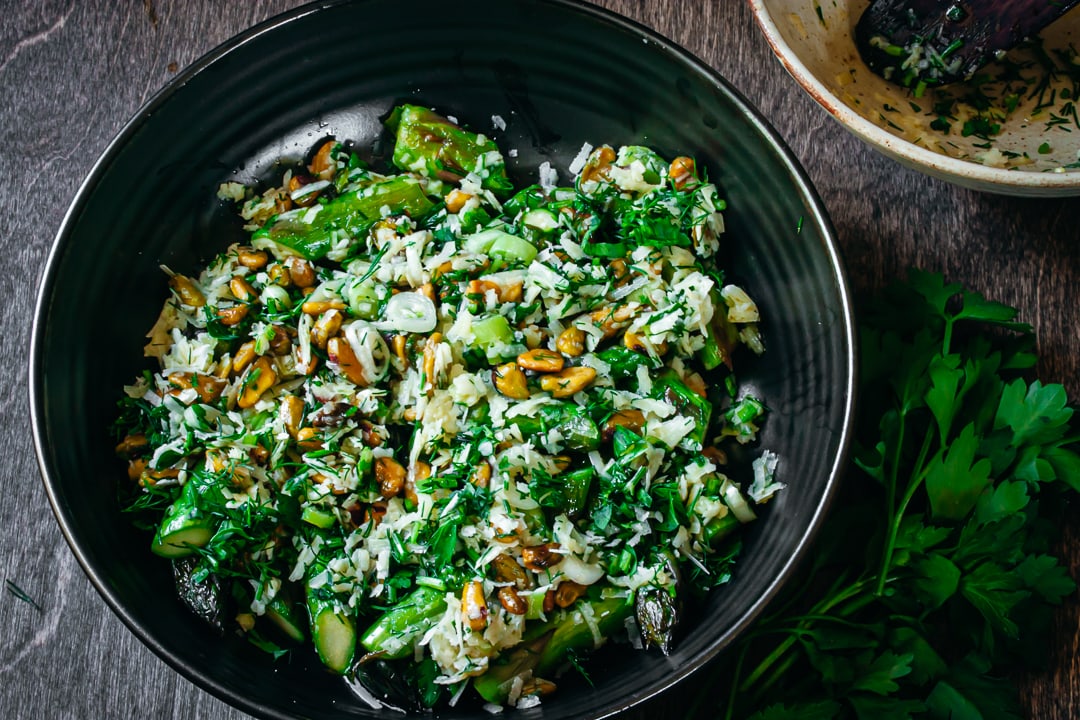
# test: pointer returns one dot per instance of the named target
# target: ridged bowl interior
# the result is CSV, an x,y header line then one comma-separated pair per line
x,y
560,74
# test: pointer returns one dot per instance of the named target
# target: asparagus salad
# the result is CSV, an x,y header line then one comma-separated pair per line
x,y
454,435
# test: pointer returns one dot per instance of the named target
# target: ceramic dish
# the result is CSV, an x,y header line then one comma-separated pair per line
x,y
559,73
1036,152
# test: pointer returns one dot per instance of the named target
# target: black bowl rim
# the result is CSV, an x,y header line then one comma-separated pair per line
x,y
819,216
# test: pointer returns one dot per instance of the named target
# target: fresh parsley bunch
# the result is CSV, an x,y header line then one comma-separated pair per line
x,y
932,580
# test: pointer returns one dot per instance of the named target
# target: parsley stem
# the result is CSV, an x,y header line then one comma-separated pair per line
x,y
890,500
832,599
763,667
896,512
779,671
729,711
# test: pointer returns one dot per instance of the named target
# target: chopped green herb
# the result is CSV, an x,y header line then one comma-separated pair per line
x,y
20,594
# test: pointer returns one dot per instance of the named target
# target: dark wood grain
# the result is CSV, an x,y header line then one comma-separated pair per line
x,y
73,71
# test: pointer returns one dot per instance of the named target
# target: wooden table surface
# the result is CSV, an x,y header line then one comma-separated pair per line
x,y
73,71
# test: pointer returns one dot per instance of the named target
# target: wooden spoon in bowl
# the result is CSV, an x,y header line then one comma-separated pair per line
x,y
917,43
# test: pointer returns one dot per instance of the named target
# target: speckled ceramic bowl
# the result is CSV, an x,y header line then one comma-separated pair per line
x,y
1031,155
560,73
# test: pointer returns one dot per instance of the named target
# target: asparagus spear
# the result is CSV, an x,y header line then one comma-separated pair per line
x,y
186,525
721,337
494,685
435,147
206,598
393,634
333,629
313,231
658,608
573,631
547,647
283,613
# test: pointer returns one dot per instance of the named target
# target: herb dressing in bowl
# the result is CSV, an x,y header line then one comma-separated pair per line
x,y
1013,129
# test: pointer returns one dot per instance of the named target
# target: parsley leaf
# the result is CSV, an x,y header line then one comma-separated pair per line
x,y
879,674
1035,414
932,581
955,478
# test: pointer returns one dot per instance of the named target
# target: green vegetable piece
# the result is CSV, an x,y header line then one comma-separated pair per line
x,y
494,685
320,517
534,606
573,633
473,218
428,690
393,634
624,362
721,337
525,200
627,445
719,528
604,249
511,250
186,526
579,431
492,329
470,219
658,608
541,219
746,410
364,461
283,613
333,631
313,231
567,494
363,299
576,491
205,597
493,336
624,563
658,613
480,242
430,144
669,387
530,424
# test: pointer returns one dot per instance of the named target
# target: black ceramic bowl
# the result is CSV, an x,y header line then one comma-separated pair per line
x,y
559,74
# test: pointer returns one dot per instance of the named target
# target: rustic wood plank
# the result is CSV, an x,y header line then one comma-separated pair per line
x,y
74,72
